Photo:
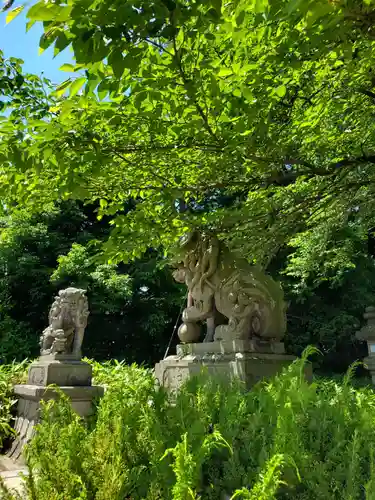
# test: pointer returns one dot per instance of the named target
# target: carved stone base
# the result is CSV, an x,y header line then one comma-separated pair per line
x,y
369,364
231,359
59,370
28,410
231,346
73,378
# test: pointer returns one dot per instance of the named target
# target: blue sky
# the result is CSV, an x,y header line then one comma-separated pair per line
x,y
14,41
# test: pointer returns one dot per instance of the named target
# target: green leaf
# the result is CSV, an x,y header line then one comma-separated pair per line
x,y
76,86
47,153
247,93
13,14
225,72
92,82
64,14
67,67
293,5
103,89
47,39
29,25
117,63
217,5
281,91
43,12
61,43
62,87
260,6
130,62
247,132
240,17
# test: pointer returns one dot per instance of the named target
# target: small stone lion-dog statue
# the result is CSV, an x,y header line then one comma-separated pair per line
x,y
67,322
237,300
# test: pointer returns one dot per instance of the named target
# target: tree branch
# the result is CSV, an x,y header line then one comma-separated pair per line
x,y
154,174
194,99
158,46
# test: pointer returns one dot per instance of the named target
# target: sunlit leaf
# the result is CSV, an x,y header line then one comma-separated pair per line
x,y
67,67
12,14
76,86
281,91
62,87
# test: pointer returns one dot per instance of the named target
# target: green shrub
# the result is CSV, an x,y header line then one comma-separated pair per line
x,y
285,439
17,340
11,374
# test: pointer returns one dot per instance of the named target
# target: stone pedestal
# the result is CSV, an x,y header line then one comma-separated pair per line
x,y
367,333
73,378
250,361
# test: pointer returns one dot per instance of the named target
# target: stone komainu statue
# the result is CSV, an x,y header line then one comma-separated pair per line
x,y
237,300
67,322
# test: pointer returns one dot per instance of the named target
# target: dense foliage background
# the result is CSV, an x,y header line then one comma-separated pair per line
x,y
135,306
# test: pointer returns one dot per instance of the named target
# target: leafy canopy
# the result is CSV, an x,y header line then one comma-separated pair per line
x,y
175,102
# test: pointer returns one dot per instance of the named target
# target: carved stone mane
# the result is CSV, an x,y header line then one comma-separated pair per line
x,y
237,300
201,261
67,322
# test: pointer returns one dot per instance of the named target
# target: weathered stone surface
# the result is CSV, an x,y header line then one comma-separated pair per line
x,y
244,311
238,301
79,396
220,359
367,333
28,410
12,474
67,322
230,346
47,371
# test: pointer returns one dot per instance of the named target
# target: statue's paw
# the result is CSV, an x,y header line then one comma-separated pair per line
x,y
190,315
220,332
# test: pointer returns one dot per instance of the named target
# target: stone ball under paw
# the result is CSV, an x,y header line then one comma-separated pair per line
x,y
189,333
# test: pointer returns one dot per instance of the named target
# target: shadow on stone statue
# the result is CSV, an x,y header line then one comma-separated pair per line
x,y
242,308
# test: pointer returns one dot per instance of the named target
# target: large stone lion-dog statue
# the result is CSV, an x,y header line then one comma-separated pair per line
x,y
235,299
